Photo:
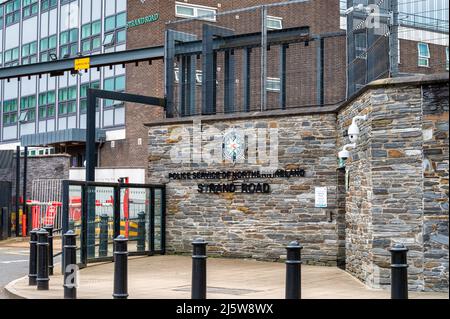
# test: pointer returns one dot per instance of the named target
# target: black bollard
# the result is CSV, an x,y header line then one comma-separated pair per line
x,y
120,268
293,271
199,269
72,224
103,248
70,265
42,264
399,272
49,229
141,232
32,274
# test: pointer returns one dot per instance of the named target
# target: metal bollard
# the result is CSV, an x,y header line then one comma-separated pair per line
x,y
199,269
120,268
72,224
103,248
141,232
49,229
399,272
32,273
42,260
70,265
293,271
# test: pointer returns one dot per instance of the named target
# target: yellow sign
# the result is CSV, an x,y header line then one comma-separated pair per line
x,y
82,64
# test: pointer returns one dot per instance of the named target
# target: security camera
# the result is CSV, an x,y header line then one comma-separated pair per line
x,y
345,154
353,130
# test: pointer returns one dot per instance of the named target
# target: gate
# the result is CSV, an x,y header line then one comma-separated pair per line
x,y
99,212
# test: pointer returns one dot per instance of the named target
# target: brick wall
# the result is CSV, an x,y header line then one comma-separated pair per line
x,y
409,58
149,79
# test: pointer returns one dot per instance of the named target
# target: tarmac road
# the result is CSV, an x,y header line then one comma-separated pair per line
x,y
13,265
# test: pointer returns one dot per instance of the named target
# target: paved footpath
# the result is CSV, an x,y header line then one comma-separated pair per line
x,y
168,277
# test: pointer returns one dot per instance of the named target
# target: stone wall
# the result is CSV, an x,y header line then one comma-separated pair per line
x,y
435,186
254,225
391,198
394,188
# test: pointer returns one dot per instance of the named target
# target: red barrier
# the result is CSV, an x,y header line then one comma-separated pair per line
x,y
24,225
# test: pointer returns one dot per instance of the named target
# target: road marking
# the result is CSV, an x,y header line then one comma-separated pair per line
x,y
13,261
20,252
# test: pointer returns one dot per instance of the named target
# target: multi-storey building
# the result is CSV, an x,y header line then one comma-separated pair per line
x,y
34,31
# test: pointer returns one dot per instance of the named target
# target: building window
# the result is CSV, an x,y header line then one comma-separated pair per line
x,y
91,36
115,29
48,4
10,112
273,84
274,23
198,76
27,109
1,17
67,101
83,95
12,57
29,51
68,43
424,54
30,8
48,48
184,10
113,112
12,10
47,105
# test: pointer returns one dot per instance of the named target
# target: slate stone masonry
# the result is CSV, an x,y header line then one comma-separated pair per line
x,y
394,188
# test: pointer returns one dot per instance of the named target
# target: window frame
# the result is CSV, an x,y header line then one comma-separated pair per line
x,y
47,106
421,57
30,108
48,50
31,5
66,101
15,13
277,19
196,8
275,80
8,113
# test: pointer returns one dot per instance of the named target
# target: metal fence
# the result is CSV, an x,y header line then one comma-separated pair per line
x,y
45,203
253,59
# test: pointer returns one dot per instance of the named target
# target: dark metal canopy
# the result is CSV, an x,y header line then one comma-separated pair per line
x,y
57,137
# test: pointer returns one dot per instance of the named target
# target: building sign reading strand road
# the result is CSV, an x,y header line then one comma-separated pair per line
x,y
148,19
245,187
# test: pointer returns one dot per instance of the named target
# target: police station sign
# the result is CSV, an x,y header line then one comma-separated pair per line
x,y
236,181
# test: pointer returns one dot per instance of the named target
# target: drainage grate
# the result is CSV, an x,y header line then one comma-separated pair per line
x,y
221,290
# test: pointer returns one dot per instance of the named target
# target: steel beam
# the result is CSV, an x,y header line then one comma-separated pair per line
x,y
320,58
172,39
229,75
249,40
96,61
209,69
246,74
283,49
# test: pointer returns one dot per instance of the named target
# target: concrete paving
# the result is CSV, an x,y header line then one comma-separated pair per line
x,y
168,277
